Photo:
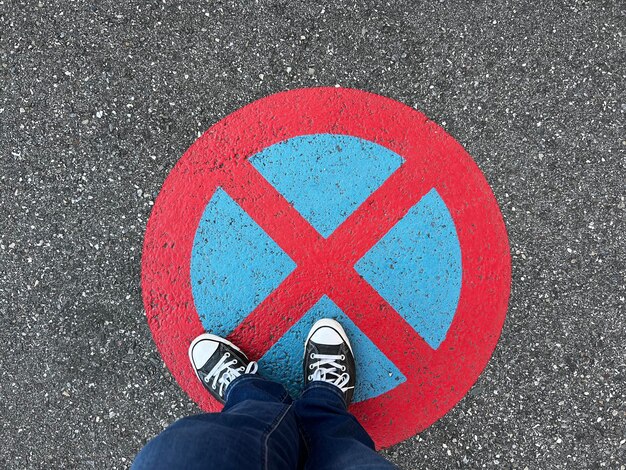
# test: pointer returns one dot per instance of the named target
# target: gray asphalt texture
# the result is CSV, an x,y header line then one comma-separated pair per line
x,y
99,99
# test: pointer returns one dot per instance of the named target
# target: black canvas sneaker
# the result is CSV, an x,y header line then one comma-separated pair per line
x,y
328,357
218,362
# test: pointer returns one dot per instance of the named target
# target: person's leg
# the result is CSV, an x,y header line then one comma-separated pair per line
x,y
255,430
333,437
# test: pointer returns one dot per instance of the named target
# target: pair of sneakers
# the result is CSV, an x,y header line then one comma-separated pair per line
x,y
328,358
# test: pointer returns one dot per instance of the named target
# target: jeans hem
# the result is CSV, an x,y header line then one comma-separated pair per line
x,y
326,386
241,378
252,377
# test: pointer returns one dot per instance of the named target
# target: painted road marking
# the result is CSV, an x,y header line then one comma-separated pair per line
x,y
416,266
406,247
326,176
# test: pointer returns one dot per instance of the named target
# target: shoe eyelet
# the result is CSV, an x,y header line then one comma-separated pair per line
x,y
310,377
343,358
311,356
227,354
343,368
310,366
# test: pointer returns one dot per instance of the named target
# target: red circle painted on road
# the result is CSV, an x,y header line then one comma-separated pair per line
x,y
436,379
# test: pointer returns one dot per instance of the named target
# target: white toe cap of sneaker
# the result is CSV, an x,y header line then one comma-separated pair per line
x,y
327,335
202,352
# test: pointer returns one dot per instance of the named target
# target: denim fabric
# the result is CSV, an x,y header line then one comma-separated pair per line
x,y
261,427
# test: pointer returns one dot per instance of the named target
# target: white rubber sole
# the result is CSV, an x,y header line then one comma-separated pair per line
x,y
210,337
335,325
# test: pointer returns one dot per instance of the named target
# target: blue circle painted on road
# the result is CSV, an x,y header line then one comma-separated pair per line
x,y
415,267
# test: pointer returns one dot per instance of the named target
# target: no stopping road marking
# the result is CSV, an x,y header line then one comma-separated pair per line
x,y
333,202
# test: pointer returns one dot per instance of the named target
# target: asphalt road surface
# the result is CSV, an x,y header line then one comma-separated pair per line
x,y
99,99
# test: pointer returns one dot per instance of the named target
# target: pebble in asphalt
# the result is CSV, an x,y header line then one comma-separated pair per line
x,y
99,99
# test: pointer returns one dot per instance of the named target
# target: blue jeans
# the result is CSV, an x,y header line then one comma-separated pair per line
x,y
261,427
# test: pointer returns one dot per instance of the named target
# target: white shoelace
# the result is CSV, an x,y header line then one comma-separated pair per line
x,y
230,372
328,370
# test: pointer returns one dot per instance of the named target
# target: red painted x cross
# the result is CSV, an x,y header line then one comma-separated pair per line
x,y
326,265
